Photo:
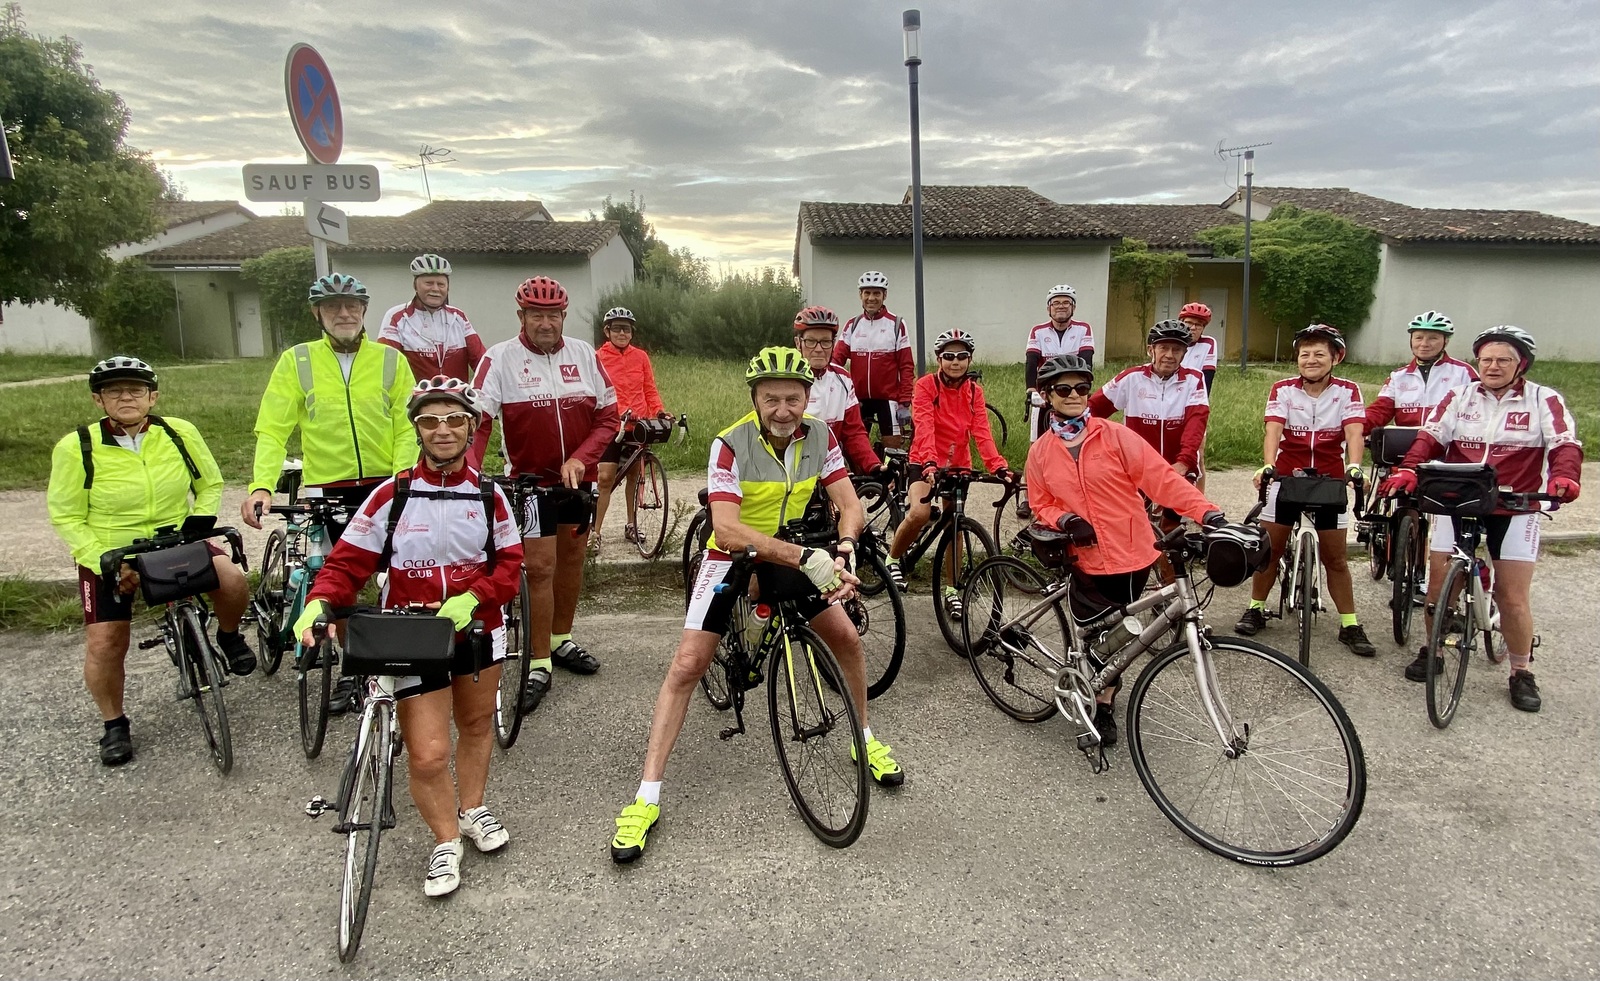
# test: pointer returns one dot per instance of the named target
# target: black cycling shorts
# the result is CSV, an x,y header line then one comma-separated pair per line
x,y
462,664
712,610
883,412
543,514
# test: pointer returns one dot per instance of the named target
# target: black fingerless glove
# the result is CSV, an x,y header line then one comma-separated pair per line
x,y
1078,529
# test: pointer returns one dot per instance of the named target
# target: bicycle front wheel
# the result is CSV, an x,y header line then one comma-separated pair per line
x,y
1006,525
362,817
514,670
269,602
816,730
314,679
975,547
882,508
650,506
1379,557
997,418
1450,644
1406,576
1305,557
205,677
1014,648
694,543
1290,784
878,612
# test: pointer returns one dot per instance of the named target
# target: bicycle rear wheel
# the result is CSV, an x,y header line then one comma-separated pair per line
x,y
1006,525
816,729
362,817
997,417
1406,575
1007,645
1289,788
269,602
1450,644
694,542
651,506
205,676
1306,594
976,546
314,679
879,614
1379,556
514,670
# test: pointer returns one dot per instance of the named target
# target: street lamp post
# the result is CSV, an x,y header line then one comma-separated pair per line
x,y
911,21
1244,347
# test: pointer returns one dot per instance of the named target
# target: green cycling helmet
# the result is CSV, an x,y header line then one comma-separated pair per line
x,y
1432,320
774,363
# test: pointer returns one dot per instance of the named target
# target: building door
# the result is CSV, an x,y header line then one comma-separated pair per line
x,y
1216,297
247,325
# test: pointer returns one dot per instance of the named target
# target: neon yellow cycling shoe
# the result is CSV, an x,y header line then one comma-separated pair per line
x,y
633,830
880,764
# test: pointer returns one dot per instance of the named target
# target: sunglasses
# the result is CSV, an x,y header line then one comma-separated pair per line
x,y
1066,391
619,328
956,356
455,420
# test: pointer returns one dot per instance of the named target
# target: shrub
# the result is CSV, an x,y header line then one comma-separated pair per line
x,y
730,319
282,276
132,310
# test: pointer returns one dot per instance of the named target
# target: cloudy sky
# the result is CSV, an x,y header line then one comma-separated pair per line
x,y
724,115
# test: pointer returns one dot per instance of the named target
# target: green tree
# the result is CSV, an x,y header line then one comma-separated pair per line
x,y
1142,272
636,230
676,267
132,309
283,276
1313,267
79,189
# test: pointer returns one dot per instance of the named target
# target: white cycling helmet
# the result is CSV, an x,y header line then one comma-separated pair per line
x,y
121,368
872,279
1061,290
618,313
429,264
954,335
441,387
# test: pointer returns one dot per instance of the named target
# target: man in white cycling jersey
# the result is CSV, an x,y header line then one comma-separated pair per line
x,y
436,337
1061,334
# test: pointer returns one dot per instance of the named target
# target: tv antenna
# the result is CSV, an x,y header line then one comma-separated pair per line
x,y
436,155
1245,152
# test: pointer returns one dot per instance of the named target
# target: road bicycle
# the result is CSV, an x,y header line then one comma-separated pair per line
x,y
175,571
1466,609
1300,569
1244,750
649,504
518,611
815,724
1394,531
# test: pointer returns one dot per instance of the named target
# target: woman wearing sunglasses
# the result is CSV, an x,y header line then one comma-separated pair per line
x,y
1085,476
947,413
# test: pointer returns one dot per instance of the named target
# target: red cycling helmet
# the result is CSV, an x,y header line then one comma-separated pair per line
x,y
541,293
816,317
1199,311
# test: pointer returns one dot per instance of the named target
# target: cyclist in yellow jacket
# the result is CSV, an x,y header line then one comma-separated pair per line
x,y
117,480
347,395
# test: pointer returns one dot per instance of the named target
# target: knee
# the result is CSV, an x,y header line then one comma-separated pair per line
x,y
474,719
230,580
430,758
541,568
687,668
1335,562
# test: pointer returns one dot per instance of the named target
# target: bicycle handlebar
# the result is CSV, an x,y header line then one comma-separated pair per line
x,y
171,536
528,484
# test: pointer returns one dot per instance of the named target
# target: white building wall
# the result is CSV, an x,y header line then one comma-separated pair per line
x,y
44,328
996,290
1551,292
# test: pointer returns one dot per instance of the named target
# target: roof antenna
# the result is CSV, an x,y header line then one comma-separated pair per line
x,y
1236,152
430,154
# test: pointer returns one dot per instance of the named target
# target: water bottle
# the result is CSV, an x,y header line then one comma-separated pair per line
x,y
1483,577
1113,640
755,625
296,578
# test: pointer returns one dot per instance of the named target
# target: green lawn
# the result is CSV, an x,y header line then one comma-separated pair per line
x,y
23,367
221,399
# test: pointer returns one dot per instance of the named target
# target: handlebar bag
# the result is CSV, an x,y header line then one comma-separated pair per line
x,y
172,574
387,644
1313,492
1393,443
650,431
1461,490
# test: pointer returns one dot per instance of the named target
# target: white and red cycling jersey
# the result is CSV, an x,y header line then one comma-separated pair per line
x,y
435,342
1409,395
1047,341
1313,426
878,352
438,548
553,407
1527,435
1168,413
1201,354
833,400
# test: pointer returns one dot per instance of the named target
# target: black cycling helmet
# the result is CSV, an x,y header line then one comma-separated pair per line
x,y
1168,330
121,368
1236,552
1067,364
1507,334
1321,332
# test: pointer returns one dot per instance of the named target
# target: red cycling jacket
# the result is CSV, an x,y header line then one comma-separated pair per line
x,y
555,406
946,418
634,378
1408,397
878,352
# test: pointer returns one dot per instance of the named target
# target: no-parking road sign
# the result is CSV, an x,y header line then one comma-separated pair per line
x,y
314,104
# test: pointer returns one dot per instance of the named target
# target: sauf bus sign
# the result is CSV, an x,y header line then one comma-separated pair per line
x,y
310,182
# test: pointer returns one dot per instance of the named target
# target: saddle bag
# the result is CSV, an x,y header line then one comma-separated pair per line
x,y
172,574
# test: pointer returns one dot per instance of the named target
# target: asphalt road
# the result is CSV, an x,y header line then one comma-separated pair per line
x,y
1003,856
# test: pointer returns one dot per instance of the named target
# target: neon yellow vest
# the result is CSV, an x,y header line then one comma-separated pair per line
x,y
773,491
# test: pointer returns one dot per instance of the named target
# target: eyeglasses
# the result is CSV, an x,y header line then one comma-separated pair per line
x,y
819,344
455,420
956,356
1497,362
620,328
1066,391
125,393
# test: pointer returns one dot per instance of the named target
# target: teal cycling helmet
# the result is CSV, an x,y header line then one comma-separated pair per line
x,y
1432,320
337,285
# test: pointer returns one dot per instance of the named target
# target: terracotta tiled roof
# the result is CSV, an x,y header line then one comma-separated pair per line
x,y
449,227
956,212
1404,223
1163,226
180,212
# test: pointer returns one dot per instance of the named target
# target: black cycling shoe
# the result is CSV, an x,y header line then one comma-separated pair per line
x,y
116,746
1024,512
1355,638
538,686
1417,670
241,659
1105,720
1251,622
1525,691
346,696
574,658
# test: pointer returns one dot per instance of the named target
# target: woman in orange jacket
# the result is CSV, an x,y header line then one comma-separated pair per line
x,y
1085,477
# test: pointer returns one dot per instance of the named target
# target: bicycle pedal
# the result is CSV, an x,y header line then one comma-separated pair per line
x,y
730,732
317,806
1087,741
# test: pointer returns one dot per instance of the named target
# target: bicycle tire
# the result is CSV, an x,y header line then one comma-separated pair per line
x,y
1185,769
270,601
1405,574
1450,644
694,543
363,815
972,534
879,615
999,416
650,497
1306,570
884,510
314,681
1019,684
206,678
515,668
1005,525
714,680
807,710
1380,558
